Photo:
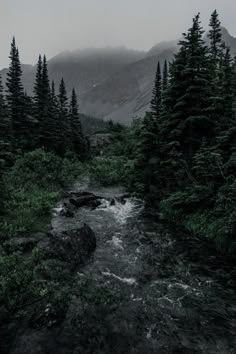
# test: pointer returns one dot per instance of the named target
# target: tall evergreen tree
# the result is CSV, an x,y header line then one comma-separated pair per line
x,y
156,95
215,36
165,76
46,119
5,128
216,63
63,118
189,112
76,129
227,93
38,86
15,94
165,82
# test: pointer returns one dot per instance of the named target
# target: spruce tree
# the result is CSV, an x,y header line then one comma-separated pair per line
x,y
165,82
5,129
156,94
46,119
216,63
57,136
63,119
165,76
215,37
76,129
189,112
37,90
15,94
227,93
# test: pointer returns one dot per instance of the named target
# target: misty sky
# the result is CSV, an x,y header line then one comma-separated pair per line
x,y
51,26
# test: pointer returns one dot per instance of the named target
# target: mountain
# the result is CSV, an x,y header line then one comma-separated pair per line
x,y
112,83
161,47
83,69
126,94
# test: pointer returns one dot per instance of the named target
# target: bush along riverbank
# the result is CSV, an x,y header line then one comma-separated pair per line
x,y
36,267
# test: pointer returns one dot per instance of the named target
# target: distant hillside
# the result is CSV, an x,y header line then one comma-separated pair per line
x,y
83,69
112,83
126,94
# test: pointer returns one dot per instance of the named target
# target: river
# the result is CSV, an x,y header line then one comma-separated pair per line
x,y
163,290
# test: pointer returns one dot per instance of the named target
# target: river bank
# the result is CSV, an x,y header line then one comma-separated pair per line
x,y
148,287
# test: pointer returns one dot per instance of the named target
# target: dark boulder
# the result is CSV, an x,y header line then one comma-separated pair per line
x,y
80,201
66,211
72,247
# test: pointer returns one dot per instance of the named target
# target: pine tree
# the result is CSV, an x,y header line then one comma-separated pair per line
x,y
216,63
63,119
156,95
76,129
227,93
215,37
15,94
165,77
165,84
38,87
5,129
233,84
44,107
46,119
189,112
57,136
38,101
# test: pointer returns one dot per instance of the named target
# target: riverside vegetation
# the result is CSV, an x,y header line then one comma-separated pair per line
x,y
180,158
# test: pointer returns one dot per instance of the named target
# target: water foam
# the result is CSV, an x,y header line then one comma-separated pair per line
x,y
122,211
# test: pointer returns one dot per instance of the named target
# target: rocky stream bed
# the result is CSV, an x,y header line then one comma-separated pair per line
x,y
143,286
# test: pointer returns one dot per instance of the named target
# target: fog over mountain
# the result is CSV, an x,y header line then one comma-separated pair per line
x,y
56,25
112,83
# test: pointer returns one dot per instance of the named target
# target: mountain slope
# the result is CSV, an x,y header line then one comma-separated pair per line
x,y
127,93
112,83
83,69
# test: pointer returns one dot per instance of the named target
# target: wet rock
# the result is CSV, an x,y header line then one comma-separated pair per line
x,y
66,211
93,204
80,201
72,247
122,198
113,202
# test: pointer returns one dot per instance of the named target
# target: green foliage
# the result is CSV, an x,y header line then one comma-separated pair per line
x,y
19,285
32,187
111,170
186,162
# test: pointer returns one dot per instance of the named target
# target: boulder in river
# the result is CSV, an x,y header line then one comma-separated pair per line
x,y
72,247
84,200
66,211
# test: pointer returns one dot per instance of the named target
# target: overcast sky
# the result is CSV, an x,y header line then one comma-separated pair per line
x,y
51,26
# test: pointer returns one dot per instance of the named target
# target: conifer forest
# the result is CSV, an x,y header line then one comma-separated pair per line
x,y
121,237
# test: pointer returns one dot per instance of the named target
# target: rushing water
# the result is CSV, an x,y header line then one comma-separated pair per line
x,y
174,293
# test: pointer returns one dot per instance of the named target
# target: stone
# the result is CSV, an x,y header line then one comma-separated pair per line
x,y
72,247
66,211
83,200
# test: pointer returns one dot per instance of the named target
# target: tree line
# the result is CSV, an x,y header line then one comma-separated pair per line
x,y
46,120
187,142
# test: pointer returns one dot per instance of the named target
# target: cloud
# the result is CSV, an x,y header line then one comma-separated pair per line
x,y
51,26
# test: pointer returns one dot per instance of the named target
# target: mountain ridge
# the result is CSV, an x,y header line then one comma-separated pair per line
x,y
112,82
